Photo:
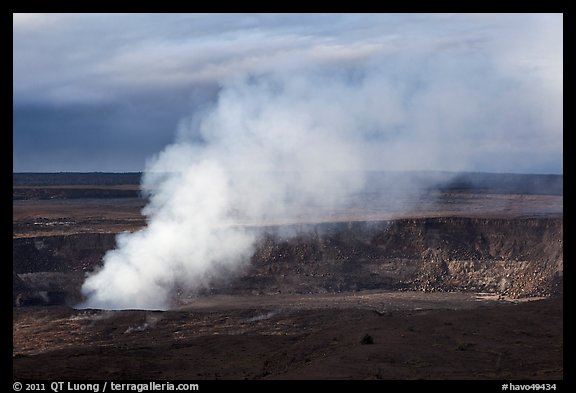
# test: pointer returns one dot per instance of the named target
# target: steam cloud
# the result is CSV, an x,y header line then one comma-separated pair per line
x,y
276,143
268,145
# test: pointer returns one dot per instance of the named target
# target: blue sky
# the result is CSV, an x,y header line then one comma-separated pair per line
x,y
104,92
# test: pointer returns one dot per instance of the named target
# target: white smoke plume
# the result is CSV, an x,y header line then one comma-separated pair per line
x,y
279,144
269,144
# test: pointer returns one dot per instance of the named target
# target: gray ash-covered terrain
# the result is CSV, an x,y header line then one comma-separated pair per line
x,y
475,247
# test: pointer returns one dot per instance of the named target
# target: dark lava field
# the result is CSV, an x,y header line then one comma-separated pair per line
x,y
462,280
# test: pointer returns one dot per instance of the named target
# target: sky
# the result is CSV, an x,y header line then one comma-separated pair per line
x,y
456,92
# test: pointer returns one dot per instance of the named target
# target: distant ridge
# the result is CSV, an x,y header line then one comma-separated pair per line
x,y
501,183
75,178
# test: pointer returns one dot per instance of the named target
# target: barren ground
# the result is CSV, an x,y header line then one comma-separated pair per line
x,y
414,334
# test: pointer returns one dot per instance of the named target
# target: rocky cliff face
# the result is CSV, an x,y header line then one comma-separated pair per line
x,y
69,253
513,257
518,258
